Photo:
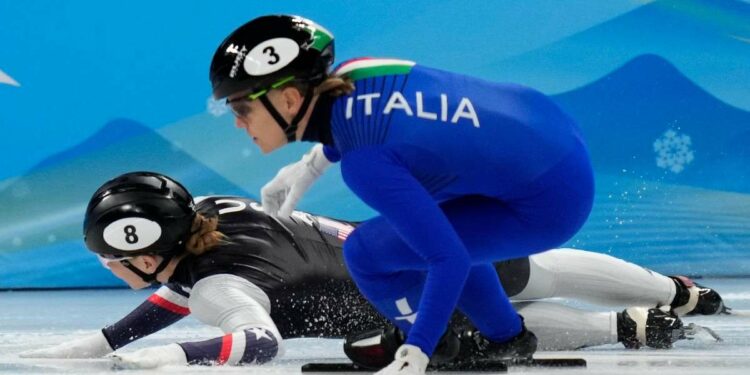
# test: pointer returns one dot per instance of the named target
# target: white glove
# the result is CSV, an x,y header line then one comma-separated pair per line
x,y
92,346
153,357
410,360
280,195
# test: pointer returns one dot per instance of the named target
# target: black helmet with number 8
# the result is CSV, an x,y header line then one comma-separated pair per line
x,y
268,52
138,213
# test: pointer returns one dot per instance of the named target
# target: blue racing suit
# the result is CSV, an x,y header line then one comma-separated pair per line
x,y
463,172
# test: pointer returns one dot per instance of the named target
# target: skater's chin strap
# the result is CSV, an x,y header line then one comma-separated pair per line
x,y
289,128
149,277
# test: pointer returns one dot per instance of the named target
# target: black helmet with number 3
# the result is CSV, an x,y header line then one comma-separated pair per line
x,y
138,213
268,52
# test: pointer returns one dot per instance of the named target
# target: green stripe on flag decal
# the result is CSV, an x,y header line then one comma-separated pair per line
x,y
322,39
381,70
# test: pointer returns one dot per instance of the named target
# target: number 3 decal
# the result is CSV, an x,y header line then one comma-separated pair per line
x,y
271,53
270,56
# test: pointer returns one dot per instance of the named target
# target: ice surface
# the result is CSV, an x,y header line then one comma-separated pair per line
x,y
36,319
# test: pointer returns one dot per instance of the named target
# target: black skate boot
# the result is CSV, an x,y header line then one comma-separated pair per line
x,y
694,299
475,348
639,326
376,348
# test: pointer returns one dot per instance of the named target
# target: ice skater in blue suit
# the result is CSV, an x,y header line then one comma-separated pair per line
x,y
463,172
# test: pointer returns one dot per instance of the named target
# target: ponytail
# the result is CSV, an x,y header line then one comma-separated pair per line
x,y
203,235
335,86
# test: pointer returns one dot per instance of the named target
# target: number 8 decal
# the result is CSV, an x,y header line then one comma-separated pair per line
x,y
132,233
130,236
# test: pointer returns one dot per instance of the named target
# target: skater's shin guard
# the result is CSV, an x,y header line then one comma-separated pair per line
x,y
595,278
560,327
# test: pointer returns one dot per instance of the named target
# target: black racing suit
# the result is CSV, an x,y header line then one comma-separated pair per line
x,y
297,262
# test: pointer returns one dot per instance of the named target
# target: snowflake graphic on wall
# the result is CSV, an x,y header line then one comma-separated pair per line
x,y
673,151
216,107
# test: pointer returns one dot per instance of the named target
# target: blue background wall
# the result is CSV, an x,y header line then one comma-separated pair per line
x,y
661,89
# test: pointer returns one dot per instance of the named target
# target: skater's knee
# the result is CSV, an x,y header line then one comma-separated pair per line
x,y
355,254
542,277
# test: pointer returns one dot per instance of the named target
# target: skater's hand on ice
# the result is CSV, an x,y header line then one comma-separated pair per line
x,y
92,346
280,195
152,357
410,360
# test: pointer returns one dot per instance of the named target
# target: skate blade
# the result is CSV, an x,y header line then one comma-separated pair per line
x,y
551,362
484,366
533,362
351,367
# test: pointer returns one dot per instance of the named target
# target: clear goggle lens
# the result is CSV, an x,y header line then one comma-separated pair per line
x,y
106,260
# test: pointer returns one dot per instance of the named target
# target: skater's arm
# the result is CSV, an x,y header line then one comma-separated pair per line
x,y
243,311
162,309
237,307
166,306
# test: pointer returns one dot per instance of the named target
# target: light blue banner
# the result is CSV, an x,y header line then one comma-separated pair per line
x,y
89,90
